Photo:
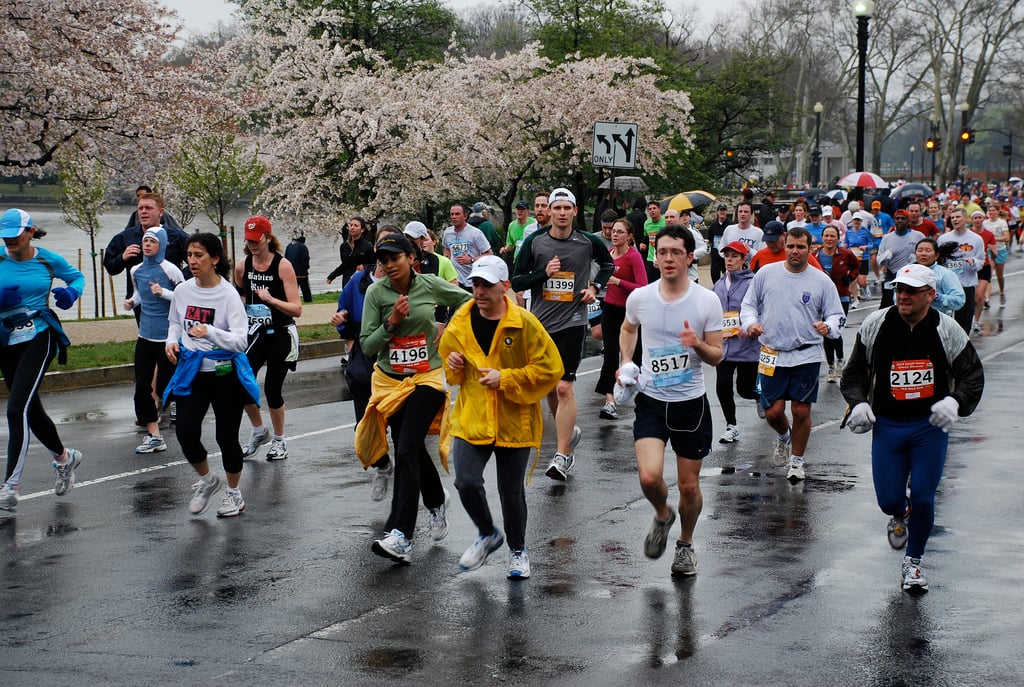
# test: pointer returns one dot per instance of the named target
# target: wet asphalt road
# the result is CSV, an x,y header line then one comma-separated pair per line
x,y
116,583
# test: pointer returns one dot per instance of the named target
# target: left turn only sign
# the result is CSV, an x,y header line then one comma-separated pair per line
x,y
615,144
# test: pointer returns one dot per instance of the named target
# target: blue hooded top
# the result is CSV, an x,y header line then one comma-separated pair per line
x,y
155,308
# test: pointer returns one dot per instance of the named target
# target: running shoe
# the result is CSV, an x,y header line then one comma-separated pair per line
x,y
854,304
395,546
439,519
8,497
257,439
202,491
172,410
518,565
560,466
1002,300
379,484
231,505
609,412
795,473
761,411
897,531
987,305
65,471
278,450
685,561
577,434
151,444
976,326
657,536
913,577
781,452
830,376
476,555
730,435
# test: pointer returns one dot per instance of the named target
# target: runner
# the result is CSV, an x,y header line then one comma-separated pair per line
x,y
30,337
861,244
1001,232
739,351
791,308
912,373
842,267
206,338
895,251
504,363
745,231
272,302
965,260
556,265
949,295
408,390
682,326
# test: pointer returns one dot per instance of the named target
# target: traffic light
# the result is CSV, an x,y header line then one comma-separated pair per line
x,y
1008,150
930,145
965,135
729,153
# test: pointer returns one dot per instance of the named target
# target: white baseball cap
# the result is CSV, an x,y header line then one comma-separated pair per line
x,y
561,194
915,275
490,268
415,230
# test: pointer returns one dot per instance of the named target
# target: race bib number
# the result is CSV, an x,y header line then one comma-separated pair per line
x,y
560,287
593,309
877,232
858,252
670,365
730,323
912,379
716,242
409,354
955,265
22,333
458,249
259,316
767,361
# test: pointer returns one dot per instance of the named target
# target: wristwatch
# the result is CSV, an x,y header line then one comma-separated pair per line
x,y
390,328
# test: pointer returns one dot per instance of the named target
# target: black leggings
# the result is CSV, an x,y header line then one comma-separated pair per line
x,y
834,347
612,317
415,471
226,395
23,366
746,381
150,355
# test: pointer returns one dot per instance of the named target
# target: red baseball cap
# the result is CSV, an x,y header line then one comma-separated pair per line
x,y
256,227
737,246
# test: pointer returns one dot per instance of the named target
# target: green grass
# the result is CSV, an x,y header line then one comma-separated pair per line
x,y
86,356
327,297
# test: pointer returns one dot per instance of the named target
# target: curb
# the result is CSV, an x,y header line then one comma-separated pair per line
x,y
122,374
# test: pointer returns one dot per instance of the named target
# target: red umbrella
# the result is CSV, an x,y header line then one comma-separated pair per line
x,y
863,180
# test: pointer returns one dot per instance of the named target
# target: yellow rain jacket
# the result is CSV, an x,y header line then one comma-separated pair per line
x,y
388,395
530,365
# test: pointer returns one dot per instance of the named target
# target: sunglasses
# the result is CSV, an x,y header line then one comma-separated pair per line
x,y
903,288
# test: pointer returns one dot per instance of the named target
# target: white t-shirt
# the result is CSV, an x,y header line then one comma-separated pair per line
x,y
752,236
219,308
673,372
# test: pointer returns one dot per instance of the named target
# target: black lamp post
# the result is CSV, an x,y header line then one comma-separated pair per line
x,y
862,9
964,108
816,155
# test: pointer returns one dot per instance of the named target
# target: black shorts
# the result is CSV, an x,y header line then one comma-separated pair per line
x,y
985,273
865,266
569,343
686,424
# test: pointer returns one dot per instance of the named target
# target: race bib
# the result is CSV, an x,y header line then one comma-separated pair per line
x,y
767,360
858,252
22,333
670,365
955,265
912,379
716,242
593,309
559,287
409,354
259,316
730,323
458,249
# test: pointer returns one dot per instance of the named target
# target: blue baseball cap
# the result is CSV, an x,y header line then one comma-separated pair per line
x,y
14,222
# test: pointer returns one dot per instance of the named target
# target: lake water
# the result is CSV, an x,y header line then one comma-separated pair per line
x,y
73,244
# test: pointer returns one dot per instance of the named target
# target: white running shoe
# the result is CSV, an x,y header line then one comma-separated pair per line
x,y
278,450
795,473
854,304
231,505
560,466
381,478
518,565
255,441
781,452
913,577
609,412
151,444
657,537
730,435
476,555
202,491
8,497
439,519
65,471
395,546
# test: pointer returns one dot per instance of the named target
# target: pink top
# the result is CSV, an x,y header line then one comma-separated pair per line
x,y
632,273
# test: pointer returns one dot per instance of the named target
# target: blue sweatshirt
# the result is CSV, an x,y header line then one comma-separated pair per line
x,y
153,320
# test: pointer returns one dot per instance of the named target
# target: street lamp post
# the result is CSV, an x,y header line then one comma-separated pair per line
x,y
912,151
862,9
964,108
934,119
816,155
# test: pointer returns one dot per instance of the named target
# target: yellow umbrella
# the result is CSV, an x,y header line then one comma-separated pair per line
x,y
687,200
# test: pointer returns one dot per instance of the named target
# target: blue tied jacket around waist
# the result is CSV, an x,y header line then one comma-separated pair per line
x,y
189,362
9,324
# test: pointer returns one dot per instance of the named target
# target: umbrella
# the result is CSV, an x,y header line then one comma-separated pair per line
x,y
624,183
1016,181
687,200
863,180
912,191
837,194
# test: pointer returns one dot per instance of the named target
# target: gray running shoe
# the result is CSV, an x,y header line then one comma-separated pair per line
x,y
255,441
65,472
577,434
781,452
8,497
395,546
439,519
685,561
897,532
657,536
560,466
278,450
201,495
231,505
379,483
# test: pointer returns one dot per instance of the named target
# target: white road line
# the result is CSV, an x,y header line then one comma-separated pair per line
x,y
175,463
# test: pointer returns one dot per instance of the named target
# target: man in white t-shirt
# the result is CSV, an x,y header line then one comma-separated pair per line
x,y
463,244
682,324
744,230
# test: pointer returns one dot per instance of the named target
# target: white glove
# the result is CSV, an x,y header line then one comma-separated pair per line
x,y
627,384
861,419
945,413
884,256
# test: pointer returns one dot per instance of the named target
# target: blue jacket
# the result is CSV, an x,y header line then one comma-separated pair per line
x,y
189,362
351,299
736,348
153,319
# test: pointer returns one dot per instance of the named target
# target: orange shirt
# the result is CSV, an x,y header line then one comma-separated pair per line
x,y
765,256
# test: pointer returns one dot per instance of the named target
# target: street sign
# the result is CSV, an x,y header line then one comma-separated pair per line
x,y
615,144
963,170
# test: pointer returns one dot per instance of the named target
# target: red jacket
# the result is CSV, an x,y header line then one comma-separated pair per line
x,y
845,268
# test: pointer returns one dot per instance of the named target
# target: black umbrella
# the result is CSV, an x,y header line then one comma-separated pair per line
x,y
912,191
